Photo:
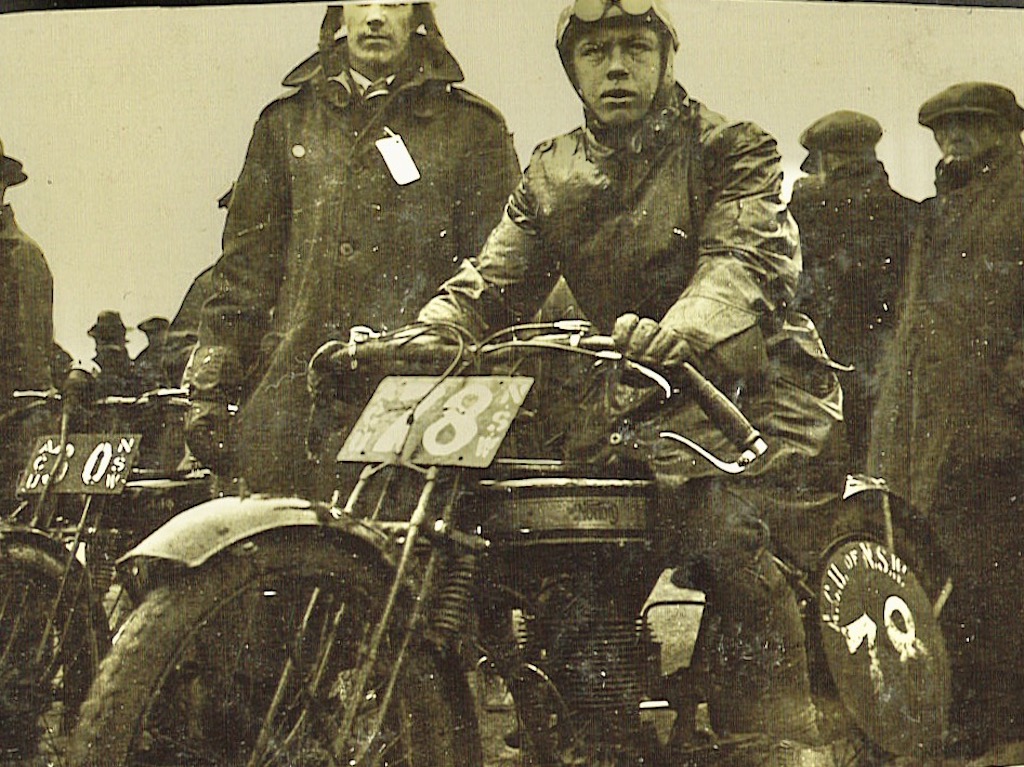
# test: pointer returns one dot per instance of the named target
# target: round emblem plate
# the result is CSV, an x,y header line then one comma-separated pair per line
x,y
883,647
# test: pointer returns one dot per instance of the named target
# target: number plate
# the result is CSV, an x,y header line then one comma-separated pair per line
x,y
97,464
460,421
884,648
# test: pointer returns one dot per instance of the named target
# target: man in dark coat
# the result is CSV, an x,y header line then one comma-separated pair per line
x,y
854,232
189,315
665,219
117,374
360,193
948,430
27,299
26,328
151,364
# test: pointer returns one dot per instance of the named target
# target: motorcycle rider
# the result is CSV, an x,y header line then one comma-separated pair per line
x,y
666,221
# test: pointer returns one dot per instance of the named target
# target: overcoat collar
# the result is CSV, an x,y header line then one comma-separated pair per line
x,y
430,63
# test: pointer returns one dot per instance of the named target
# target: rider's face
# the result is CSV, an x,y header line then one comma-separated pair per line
x,y
618,69
378,37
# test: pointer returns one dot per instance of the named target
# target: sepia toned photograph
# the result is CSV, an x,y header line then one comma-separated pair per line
x,y
482,383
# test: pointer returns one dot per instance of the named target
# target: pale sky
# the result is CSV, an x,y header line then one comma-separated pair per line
x,y
132,122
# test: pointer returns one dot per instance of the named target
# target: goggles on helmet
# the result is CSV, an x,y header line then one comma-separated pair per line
x,y
595,10
590,11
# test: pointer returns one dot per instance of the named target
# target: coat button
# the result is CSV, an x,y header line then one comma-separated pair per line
x,y
346,249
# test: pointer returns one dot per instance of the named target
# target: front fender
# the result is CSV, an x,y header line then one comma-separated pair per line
x,y
863,511
40,539
48,556
196,535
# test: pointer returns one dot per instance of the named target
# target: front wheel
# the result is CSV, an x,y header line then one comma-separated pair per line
x,y
252,660
49,650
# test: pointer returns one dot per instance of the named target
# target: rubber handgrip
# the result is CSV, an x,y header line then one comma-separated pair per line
x,y
720,409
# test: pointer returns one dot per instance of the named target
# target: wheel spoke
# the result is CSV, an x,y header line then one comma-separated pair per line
x,y
17,615
45,661
67,619
282,683
254,664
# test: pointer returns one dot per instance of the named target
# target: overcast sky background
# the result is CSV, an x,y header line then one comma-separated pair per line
x,y
132,122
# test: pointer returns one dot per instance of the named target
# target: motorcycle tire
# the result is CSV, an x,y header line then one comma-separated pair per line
x,y
247,660
49,651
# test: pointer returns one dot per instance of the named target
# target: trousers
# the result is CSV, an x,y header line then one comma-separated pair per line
x,y
751,640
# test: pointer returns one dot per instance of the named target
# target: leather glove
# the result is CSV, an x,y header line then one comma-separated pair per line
x,y
645,341
207,434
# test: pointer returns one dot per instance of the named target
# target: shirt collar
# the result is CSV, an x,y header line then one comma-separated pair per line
x,y
650,134
362,82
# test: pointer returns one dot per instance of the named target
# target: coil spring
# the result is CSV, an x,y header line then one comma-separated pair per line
x,y
101,555
452,608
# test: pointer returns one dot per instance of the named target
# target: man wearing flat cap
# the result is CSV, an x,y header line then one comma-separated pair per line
x,y
854,231
151,363
360,192
26,320
949,429
190,312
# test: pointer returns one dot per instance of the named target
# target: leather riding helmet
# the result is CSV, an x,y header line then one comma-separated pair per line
x,y
581,13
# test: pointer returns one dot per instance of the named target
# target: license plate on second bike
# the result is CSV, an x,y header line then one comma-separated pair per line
x,y
96,464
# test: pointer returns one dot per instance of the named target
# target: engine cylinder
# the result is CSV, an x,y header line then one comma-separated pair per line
x,y
599,665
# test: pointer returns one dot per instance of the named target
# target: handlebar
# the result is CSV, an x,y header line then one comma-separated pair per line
x,y
417,346
718,407
174,397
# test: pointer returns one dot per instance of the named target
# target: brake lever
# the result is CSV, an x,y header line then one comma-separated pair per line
x,y
740,465
636,367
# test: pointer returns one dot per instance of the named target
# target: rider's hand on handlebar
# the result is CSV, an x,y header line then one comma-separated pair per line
x,y
645,341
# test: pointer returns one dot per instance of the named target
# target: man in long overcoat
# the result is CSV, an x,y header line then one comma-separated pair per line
x,y
949,429
27,305
26,324
360,193
854,232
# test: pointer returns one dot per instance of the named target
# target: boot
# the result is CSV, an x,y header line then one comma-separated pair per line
x,y
754,645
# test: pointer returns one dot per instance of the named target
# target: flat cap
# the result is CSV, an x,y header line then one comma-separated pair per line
x,y
977,98
842,131
154,325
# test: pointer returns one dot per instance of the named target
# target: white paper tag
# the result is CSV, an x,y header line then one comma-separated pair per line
x,y
397,158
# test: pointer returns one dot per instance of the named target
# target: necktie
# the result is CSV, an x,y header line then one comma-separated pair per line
x,y
376,89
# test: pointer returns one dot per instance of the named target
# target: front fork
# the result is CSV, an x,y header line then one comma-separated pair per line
x,y
449,598
368,652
